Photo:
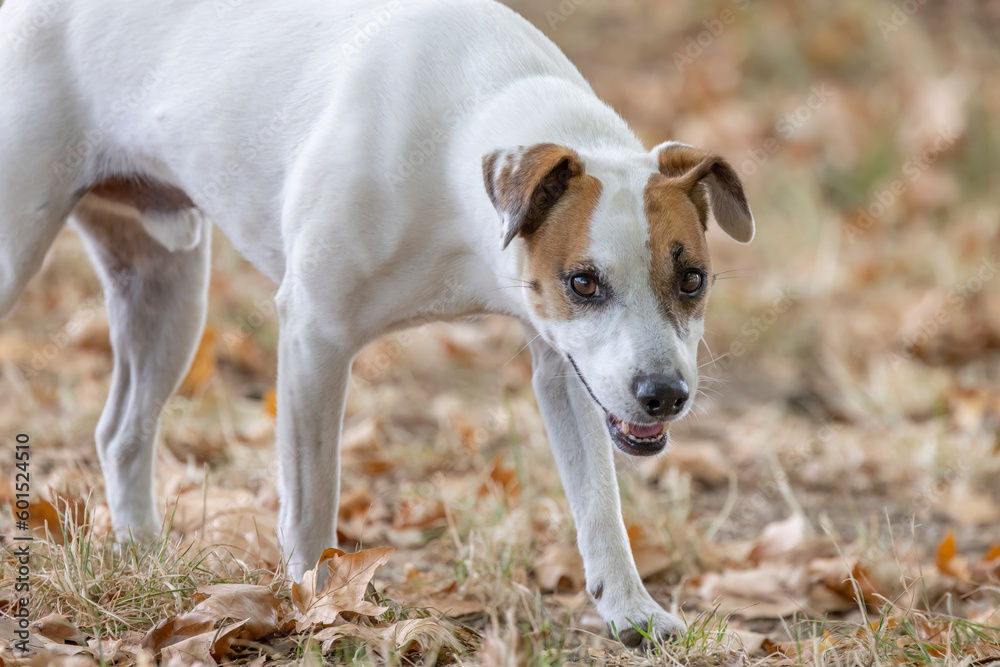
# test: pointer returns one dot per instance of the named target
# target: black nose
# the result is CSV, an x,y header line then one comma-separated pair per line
x,y
662,395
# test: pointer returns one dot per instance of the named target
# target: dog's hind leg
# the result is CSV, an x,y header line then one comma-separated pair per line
x,y
156,301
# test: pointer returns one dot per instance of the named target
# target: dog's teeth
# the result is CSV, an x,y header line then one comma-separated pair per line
x,y
625,428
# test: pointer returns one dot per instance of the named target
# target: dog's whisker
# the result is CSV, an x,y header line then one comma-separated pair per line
x,y
522,349
715,360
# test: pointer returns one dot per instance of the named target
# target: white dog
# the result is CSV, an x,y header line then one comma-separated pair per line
x,y
362,155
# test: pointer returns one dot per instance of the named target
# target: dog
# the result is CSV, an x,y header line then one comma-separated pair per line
x,y
362,155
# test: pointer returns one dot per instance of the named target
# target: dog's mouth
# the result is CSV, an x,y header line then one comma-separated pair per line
x,y
638,439
632,439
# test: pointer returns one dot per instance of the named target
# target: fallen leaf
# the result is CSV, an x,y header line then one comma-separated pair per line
x,y
42,515
271,402
765,592
176,629
948,561
206,648
419,513
344,590
560,568
421,633
503,477
57,628
257,605
848,579
202,366
704,461
778,538
354,503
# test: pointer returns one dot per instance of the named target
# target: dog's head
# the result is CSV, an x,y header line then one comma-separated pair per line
x,y
617,269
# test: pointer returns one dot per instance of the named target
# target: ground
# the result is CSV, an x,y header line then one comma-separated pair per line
x,y
834,500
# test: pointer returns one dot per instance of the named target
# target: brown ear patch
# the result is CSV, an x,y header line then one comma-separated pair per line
x,y
525,184
699,170
676,221
559,245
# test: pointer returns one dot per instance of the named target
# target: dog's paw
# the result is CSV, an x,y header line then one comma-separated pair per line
x,y
646,627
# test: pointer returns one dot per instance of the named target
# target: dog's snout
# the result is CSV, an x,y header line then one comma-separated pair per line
x,y
662,395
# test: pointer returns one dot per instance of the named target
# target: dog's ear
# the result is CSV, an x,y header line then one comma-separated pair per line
x,y
693,166
525,183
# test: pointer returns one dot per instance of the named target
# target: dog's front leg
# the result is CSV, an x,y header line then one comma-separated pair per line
x,y
583,452
313,373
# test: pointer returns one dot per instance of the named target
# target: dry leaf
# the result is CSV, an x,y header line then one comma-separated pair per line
x,y
422,633
773,590
44,514
503,477
202,366
778,538
344,590
177,629
271,402
57,628
560,568
949,562
704,461
204,649
354,503
419,513
257,605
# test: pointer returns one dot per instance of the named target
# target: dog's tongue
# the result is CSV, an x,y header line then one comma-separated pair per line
x,y
645,430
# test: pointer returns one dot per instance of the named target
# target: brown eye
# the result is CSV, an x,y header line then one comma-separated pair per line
x,y
691,282
585,285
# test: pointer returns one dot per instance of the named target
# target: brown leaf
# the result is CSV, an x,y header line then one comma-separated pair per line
x,y
44,513
765,592
847,578
202,366
354,503
420,633
703,461
176,629
204,649
419,513
778,538
945,552
948,561
503,477
257,605
349,576
57,628
560,568
271,402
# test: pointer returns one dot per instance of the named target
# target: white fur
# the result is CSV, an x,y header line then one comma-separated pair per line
x,y
339,146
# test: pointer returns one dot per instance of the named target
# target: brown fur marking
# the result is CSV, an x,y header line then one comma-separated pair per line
x,y
144,195
676,216
559,245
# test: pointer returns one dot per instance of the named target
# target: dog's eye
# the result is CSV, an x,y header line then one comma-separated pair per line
x,y
584,284
692,282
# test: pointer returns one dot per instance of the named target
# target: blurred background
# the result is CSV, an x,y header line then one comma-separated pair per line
x,y
852,413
